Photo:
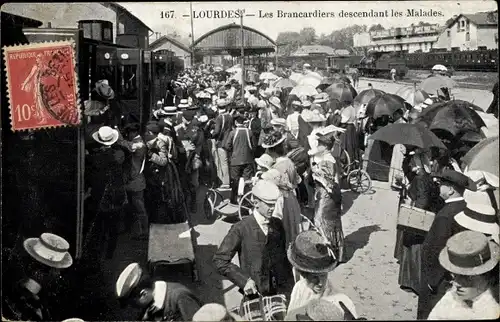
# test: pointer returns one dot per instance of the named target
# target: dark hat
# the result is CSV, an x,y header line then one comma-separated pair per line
x,y
153,127
189,114
309,253
456,178
104,90
239,118
469,253
132,127
325,138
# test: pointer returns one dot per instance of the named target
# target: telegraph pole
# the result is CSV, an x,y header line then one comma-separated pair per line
x,y
192,33
242,59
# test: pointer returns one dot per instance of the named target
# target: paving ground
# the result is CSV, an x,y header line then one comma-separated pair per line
x,y
369,277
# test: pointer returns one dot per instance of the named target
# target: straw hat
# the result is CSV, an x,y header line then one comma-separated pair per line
x,y
104,90
128,280
479,215
169,110
279,121
49,249
184,103
309,253
275,101
265,161
106,135
469,253
215,312
273,139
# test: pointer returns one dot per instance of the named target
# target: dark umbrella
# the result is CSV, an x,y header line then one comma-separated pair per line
x,y
365,96
385,104
455,116
483,156
285,83
325,82
341,91
408,134
341,78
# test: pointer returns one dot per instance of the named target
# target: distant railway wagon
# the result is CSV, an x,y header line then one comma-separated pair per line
x,y
477,60
381,64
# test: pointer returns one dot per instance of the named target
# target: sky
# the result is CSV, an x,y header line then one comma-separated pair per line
x,y
150,14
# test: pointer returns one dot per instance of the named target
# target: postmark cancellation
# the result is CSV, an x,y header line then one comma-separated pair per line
x,y
42,85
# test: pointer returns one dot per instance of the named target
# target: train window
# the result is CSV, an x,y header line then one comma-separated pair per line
x,y
128,82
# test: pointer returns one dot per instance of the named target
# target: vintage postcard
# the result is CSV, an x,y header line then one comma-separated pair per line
x,y
248,161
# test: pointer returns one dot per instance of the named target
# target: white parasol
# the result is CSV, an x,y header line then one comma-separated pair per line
x,y
267,76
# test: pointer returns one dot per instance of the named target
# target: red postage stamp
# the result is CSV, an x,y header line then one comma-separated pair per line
x,y
43,85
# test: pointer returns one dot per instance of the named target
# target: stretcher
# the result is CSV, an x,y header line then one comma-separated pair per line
x,y
171,245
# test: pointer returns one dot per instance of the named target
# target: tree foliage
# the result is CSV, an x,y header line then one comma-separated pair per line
x,y
288,41
376,27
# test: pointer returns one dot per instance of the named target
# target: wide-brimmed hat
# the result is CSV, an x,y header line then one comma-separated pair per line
x,y
215,312
469,253
309,253
266,191
456,178
169,110
478,215
265,94
222,103
49,249
327,308
306,65
273,139
128,280
275,101
106,135
265,161
306,104
321,98
104,90
184,103
296,104
279,121
261,104
315,117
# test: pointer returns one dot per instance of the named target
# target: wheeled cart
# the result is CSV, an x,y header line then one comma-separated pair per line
x,y
171,245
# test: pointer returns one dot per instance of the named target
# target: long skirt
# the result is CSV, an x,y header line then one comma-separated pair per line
x,y
408,253
327,217
349,141
290,215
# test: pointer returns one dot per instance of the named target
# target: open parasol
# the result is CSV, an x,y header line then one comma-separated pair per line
x,y
304,90
267,76
412,95
341,91
365,96
284,83
484,156
415,135
385,104
341,78
434,83
309,80
325,82
454,116
296,76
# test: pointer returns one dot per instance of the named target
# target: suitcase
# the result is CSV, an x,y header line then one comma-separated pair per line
x,y
415,218
171,245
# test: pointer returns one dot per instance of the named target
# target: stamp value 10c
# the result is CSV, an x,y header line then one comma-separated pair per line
x,y
42,84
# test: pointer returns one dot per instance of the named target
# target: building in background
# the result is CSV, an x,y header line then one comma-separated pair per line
x,y
127,28
313,50
179,49
410,39
470,32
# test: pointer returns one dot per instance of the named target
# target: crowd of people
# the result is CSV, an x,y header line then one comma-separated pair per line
x,y
287,150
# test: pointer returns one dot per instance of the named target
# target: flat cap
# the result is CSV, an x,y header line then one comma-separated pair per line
x,y
128,279
456,178
266,191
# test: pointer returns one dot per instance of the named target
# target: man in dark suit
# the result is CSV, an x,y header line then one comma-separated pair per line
x,y
452,185
255,127
223,125
239,145
135,182
259,241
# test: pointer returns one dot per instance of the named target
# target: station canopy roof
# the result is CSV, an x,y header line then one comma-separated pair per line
x,y
226,40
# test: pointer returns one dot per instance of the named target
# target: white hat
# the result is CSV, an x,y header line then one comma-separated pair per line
x,y
183,103
265,161
306,104
222,103
479,214
279,121
170,110
203,119
275,101
210,91
215,312
49,249
266,191
128,279
306,65
106,135
261,104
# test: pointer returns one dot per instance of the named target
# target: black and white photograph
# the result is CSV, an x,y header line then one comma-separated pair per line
x,y
250,161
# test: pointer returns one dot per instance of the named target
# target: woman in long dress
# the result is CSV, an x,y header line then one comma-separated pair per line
x,y
274,143
328,196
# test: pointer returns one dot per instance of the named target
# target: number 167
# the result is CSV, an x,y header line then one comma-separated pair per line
x,y
167,14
